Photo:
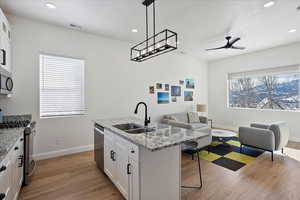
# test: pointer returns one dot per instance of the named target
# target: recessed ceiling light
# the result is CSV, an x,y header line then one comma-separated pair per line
x,y
134,30
51,5
292,31
269,4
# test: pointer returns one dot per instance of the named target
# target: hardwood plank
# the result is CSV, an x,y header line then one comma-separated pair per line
x,y
76,177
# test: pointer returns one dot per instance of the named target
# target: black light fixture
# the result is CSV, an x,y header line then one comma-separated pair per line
x,y
158,44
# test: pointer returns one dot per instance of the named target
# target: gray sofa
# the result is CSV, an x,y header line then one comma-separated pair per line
x,y
181,120
271,137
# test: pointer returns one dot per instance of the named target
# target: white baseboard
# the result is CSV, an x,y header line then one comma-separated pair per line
x,y
53,154
295,139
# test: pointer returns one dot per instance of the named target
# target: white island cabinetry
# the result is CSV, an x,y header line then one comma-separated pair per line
x,y
144,163
141,174
119,165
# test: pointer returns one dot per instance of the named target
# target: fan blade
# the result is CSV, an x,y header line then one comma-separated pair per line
x,y
240,48
215,48
234,41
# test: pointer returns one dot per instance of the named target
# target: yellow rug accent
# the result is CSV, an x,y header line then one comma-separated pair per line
x,y
208,156
215,143
239,157
234,143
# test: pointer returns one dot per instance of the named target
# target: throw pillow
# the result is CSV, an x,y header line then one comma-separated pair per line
x,y
193,117
170,117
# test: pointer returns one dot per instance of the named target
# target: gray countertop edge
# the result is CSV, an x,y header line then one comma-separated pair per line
x,y
123,135
151,149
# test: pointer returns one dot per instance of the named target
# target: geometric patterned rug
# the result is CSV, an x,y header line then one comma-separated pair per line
x,y
228,154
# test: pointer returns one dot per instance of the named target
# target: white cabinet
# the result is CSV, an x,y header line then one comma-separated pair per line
x,y
11,173
17,168
109,156
133,180
5,43
121,164
5,190
121,149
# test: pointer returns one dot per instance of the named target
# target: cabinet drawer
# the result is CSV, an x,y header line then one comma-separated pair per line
x,y
133,151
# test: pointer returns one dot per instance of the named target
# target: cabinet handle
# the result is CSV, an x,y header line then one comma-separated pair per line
x,y
128,168
16,148
132,151
114,156
3,168
111,154
3,57
2,196
21,159
21,139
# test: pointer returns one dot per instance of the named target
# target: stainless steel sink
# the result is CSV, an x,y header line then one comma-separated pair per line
x,y
140,130
132,128
129,126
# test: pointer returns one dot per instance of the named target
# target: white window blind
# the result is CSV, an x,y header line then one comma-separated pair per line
x,y
61,86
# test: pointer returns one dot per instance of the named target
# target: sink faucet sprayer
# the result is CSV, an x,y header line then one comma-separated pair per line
x,y
147,120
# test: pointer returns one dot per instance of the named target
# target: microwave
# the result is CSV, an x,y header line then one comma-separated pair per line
x,y
6,82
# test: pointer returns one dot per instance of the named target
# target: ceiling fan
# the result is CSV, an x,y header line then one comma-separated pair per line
x,y
229,45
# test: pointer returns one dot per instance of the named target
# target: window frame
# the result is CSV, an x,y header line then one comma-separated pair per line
x,y
39,87
228,79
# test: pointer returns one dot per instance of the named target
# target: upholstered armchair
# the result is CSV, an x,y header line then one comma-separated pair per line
x,y
267,137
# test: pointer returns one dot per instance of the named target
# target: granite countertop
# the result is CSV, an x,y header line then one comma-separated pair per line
x,y
8,137
162,137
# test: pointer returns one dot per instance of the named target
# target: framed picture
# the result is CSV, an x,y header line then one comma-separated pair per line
x,y
174,99
188,96
175,91
151,90
163,98
158,86
190,84
167,87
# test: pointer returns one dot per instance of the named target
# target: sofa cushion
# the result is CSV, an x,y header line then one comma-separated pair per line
x,y
193,117
180,117
197,125
170,117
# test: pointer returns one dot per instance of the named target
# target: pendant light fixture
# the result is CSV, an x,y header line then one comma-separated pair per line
x,y
158,44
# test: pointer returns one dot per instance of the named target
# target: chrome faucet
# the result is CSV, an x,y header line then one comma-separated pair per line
x,y
147,120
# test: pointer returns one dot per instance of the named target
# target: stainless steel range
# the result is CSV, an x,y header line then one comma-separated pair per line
x,y
23,121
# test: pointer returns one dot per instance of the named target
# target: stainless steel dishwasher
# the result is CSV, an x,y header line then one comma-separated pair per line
x,y
99,146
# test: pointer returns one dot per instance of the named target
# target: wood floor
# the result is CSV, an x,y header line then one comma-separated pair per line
x,y
76,177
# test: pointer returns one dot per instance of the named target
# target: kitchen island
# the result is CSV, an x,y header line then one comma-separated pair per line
x,y
144,163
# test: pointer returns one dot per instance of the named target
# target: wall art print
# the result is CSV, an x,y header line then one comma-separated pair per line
x,y
188,96
163,97
190,83
151,90
158,86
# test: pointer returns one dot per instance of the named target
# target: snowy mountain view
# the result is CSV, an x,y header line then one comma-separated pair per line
x,y
280,92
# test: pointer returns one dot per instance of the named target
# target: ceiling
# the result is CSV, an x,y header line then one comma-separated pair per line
x,y
200,24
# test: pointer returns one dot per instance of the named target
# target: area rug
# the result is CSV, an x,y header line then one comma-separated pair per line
x,y
228,154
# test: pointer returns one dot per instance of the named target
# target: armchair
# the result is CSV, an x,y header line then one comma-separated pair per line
x,y
266,137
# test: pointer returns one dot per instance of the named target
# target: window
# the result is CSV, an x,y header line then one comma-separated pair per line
x,y
275,88
61,86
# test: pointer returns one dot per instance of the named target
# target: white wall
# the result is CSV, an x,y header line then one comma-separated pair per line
x,y
232,118
113,83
